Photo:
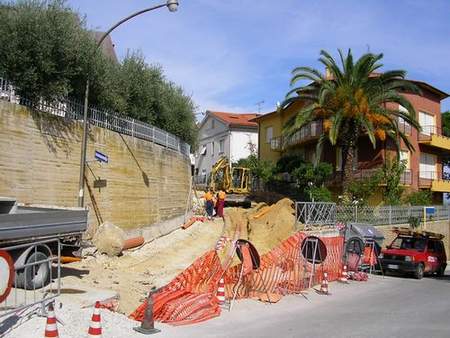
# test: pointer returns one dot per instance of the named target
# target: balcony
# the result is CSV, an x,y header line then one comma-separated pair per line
x,y
309,132
431,180
432,136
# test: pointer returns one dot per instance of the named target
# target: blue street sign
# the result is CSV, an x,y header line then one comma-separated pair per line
x,y
101,157
429,210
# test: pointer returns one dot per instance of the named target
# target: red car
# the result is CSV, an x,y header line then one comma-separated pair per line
x,y
416,252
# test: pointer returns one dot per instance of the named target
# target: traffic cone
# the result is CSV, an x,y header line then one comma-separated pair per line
x,y
221,292
95,329
51,328
148,324
324,284
344,277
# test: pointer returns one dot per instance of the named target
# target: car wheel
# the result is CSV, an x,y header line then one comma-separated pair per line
x,y
418,274
34,276
441,271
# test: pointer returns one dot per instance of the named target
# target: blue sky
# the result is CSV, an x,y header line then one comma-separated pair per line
x,y
231,54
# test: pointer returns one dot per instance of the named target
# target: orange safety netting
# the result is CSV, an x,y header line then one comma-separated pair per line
x,y
190,297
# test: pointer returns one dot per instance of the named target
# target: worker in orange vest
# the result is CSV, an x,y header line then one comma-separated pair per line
x,y
209,203
220,203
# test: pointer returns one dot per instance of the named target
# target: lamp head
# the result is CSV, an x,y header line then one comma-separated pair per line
x,y
172,5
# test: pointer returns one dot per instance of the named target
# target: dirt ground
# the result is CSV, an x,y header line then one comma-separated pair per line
x,y
155,264
134,273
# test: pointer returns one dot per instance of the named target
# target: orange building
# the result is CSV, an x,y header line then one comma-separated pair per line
x,y
424,165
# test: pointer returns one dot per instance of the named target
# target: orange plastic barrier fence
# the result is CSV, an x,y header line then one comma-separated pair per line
x,y
190,297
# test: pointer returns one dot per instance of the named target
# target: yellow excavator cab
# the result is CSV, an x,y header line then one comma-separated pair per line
x,y
229,179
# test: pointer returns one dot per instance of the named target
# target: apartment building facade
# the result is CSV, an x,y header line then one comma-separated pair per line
x,y
424,169
232,135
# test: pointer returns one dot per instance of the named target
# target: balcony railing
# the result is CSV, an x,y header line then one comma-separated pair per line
x,y
360,174
308,132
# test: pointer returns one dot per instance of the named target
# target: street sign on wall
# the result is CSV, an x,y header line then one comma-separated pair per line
x,y
101,157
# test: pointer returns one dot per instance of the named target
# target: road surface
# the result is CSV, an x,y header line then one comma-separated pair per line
x,y
381,307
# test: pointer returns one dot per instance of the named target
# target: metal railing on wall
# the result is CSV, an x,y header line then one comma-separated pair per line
x,y
71,109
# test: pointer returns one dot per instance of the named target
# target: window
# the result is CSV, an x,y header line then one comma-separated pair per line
x,y
221,146
427,123
427,166
269,134
203,151
404,156
403,125
212,148
213,124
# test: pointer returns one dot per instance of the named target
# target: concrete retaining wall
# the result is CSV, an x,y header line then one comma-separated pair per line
x,y
40,155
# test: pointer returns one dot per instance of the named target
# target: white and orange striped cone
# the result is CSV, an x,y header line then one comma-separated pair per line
x,y
344,277
95,329
51,328
324,284
221,292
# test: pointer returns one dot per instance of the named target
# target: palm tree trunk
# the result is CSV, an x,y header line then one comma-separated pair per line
x,y
347,170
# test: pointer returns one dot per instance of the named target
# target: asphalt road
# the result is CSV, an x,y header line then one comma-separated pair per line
x,y
381,307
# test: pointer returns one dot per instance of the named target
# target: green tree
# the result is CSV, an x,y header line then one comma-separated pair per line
x,y
362,190
352,101
311,180
46,51
421,197
446,132
392,174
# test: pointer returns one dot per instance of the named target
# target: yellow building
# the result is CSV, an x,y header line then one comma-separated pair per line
x,y
424,166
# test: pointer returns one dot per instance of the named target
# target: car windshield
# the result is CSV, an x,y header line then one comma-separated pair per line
x,y
409,243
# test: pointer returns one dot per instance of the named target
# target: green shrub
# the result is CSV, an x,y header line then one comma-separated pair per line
x,y
319,194
317,175
422,197
288,163
414,222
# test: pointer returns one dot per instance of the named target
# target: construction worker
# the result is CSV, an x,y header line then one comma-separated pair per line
x,y
209,203
220,203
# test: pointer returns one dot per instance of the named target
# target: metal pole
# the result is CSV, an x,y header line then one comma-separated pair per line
x,y
168,4
83,148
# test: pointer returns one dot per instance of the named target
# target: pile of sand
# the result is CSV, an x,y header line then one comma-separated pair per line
x,y
270,225
264,226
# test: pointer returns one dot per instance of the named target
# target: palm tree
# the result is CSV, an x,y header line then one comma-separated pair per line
x,y
352,99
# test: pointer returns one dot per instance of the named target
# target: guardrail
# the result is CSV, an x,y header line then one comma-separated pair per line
x,y
71,109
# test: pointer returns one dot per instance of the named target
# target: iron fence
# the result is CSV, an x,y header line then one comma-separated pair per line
x,y
71,109
390,215
315,213
323,214
28,295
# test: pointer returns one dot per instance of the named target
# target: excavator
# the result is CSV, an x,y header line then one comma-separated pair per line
x,y
234,181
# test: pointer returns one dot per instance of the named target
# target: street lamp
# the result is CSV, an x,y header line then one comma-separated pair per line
x,y
172,5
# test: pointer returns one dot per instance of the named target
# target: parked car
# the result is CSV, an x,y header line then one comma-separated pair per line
x,y
416,252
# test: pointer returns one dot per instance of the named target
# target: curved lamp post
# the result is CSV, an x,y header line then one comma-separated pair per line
x,y
172,5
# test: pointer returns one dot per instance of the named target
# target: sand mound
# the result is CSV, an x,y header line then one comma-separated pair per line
x,y
264,226
271,225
